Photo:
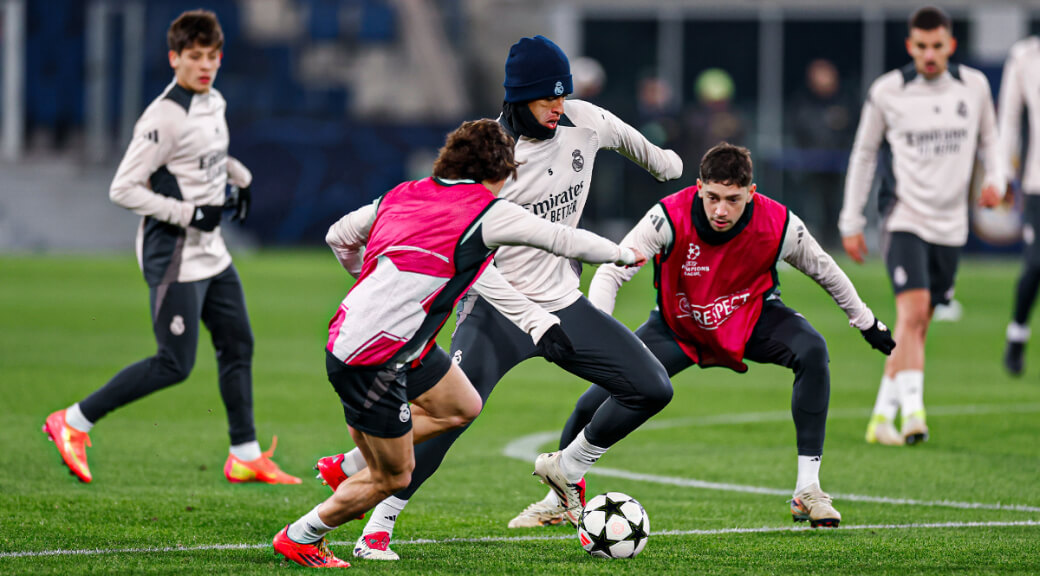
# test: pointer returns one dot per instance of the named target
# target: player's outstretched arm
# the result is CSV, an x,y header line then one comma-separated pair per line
x,y
348,236
507,224
991,149
617,135
651,236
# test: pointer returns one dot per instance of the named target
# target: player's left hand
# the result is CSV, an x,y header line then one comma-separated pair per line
x,y
879,337
989,197
238,202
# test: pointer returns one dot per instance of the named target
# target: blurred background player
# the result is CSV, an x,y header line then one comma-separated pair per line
x,y
711,314
930,114
556,144
1020,85
174,174
425,242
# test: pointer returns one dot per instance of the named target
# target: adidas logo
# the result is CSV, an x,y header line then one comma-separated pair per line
x,y
391,518
198,214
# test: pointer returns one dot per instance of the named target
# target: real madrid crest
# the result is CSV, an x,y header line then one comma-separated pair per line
x,y
577,160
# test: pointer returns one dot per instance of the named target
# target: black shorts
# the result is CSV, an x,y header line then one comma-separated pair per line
x,y
375,398
913,263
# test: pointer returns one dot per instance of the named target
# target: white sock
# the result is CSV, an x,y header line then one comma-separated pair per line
x,y
309,528
74,418
384,516
578,457
1017,332
246,451
353,462
911,391
808,472
887,403
551,499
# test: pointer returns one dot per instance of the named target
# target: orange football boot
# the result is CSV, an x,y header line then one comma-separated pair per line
x,y
71,444
263,469
316,555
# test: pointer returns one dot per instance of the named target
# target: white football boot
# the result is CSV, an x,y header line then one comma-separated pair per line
x,y
375,546
540,513
881,430
914,429
814,505
572,495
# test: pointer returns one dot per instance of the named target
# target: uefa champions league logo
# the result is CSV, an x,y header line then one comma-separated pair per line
x,y
558,90
690,267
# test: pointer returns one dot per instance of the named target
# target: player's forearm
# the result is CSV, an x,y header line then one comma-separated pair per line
x,y
238,174
662,164
348,236
812,261
604,287
507,224
140,199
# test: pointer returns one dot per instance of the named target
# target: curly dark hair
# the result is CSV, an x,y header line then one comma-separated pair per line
x,y
193,27
727,164
477,150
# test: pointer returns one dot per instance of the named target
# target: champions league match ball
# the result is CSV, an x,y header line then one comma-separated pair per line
x,y
613,525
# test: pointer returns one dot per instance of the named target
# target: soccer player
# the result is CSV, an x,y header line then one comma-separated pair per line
x,y
174,174
557,142
930,114
1020,85
426,242
715,248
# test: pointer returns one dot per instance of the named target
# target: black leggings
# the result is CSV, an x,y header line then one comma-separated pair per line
x,y
781,336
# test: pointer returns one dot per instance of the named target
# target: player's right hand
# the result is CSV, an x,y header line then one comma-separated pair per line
x,y
879,337
206,218
855,246
555,346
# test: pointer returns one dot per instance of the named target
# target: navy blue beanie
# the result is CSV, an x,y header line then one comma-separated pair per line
x,y
536,68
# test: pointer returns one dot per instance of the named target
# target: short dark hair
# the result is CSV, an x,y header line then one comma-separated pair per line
x,y
477,150
195,27
727,164
930,18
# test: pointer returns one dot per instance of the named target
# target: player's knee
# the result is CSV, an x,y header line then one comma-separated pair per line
x,y
399,480
814,352
172,368
657,397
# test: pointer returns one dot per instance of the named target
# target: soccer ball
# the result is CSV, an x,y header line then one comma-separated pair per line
x,y
613,525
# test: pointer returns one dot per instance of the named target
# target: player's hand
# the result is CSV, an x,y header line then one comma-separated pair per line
x,y
555,346
640,259
855,246
206,218
989,197
879,337
238,202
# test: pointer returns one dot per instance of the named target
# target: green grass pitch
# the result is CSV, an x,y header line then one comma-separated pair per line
x,y
718,463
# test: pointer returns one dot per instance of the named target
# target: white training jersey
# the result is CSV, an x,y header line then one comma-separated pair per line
x,y
502,224
1020,86
932,127
553,183
654,235
177,160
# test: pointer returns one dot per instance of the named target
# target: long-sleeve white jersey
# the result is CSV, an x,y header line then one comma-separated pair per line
x,y
177,160
653,235
932,127
1020,85
553,183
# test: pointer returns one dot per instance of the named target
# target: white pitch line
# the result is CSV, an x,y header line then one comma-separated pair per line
x,y
527,448
494,539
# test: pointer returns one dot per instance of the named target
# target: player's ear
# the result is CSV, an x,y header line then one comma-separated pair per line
x,y
700,186
751,191
174,58
953,45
